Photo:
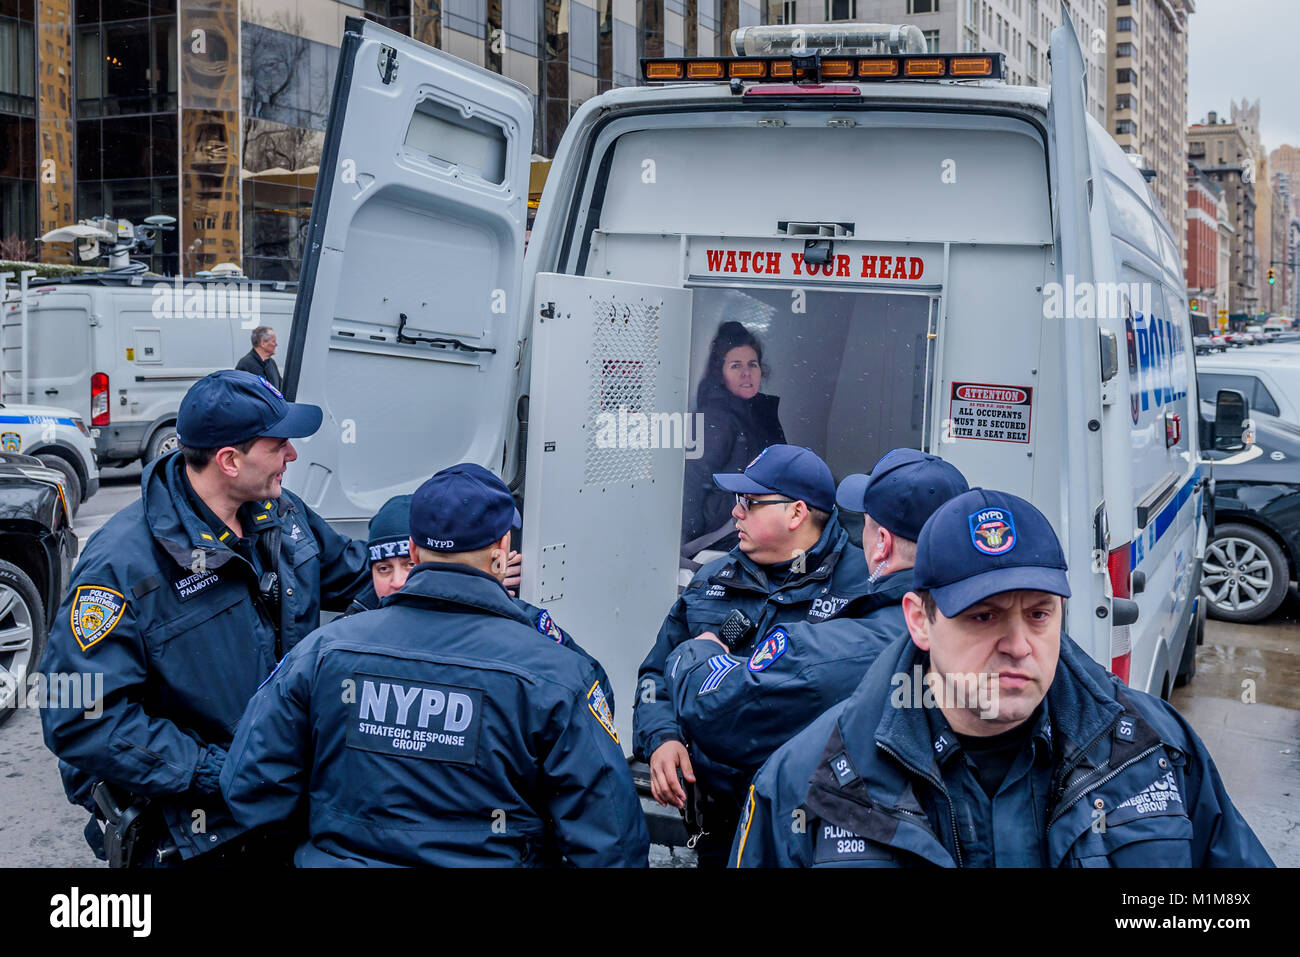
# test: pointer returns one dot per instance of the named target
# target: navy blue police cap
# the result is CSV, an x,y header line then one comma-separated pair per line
x,y
982,543
390,530
788,470
461,509
902,491
228,407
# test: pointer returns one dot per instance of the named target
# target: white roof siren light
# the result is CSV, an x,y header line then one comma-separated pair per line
x,y
828,38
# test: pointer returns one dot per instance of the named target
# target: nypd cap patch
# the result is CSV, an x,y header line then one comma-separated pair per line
x,y
993,531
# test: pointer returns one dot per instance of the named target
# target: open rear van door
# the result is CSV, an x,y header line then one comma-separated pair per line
x,y
409,317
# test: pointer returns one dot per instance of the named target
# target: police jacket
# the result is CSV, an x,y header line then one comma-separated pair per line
x,y
166,611
735,431
735,712
1114,778
834,572
438,730
368,600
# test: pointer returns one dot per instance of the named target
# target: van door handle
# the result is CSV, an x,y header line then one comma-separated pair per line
x,y
51,391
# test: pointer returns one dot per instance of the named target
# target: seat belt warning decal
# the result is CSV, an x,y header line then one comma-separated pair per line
x,y
991,413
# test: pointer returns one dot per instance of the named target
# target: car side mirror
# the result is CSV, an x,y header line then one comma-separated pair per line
x,y
1230,414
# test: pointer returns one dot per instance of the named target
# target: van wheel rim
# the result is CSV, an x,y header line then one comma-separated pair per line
x,y
169,444
16,637
1237,576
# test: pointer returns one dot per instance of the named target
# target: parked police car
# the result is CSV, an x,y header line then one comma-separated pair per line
x,y
59,439
931,258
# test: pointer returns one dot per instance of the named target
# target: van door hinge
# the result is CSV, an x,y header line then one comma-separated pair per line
x,y
387,64
548,310
93,319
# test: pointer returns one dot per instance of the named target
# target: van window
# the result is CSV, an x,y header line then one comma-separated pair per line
x,y
1209,384
845,374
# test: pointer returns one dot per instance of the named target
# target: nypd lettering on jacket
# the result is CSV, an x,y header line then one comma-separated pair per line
x,y
826,608
412,719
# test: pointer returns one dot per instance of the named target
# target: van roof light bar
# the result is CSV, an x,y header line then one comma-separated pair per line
x,y
815,67
829,38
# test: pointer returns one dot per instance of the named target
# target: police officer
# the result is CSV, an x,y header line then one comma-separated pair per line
x,y
388,551
438,729
801,668
1015,750
185,600
390,564
794,562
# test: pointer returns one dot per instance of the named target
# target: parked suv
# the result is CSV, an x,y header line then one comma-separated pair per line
x,y
37,549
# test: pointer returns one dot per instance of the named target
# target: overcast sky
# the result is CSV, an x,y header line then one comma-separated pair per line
x,y
1246,49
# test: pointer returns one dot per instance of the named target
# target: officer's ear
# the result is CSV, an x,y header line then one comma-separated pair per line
x,y
226,462
918,622
798,514
413,550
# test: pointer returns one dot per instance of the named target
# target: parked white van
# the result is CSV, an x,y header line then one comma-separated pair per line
x,y
1269,378
955,265
121,350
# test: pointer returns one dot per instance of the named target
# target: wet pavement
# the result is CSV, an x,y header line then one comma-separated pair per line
x,y
1245,704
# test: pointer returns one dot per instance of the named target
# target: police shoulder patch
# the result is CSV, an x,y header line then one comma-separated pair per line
x,y
769,649
96,610
547,626
598,704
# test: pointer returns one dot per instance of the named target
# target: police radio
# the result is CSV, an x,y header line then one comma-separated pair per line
x,y
737,630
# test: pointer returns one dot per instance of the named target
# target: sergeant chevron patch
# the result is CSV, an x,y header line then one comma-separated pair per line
x,y
722,666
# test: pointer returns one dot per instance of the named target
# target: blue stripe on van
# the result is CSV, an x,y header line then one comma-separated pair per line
x,y
35,420
1162,521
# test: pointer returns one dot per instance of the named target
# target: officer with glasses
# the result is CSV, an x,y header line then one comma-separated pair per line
x,y
793,559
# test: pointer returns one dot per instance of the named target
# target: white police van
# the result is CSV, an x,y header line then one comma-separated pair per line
x,y
60,439
921,254
121,350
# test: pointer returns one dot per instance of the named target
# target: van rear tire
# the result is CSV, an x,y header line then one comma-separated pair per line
x,y
1245,575
71,481
160,443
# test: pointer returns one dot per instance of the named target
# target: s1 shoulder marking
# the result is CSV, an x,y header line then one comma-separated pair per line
x,y
598,705
96,610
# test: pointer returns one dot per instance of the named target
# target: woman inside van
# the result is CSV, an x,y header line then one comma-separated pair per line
x,y
739,421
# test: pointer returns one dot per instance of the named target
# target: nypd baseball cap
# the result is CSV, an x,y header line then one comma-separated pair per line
x,y
985,542
390,530
787,470
902,491
229,407
461,509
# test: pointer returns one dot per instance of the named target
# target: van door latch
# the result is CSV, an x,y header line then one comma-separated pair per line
x,y
387,64
548,310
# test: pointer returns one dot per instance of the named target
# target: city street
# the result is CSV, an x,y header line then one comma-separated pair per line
x,y
1253,744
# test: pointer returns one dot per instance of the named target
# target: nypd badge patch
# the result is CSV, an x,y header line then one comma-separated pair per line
x,y
599,706
95,613
769,649
993,531
547,627
12,441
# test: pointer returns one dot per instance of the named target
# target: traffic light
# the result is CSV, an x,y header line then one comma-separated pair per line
x,y
1272,276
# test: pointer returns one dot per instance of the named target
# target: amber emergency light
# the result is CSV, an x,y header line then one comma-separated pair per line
x,y
814,68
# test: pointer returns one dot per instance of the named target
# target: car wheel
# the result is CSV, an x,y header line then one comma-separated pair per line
x,y
162,442
71,483
22,634
1245,575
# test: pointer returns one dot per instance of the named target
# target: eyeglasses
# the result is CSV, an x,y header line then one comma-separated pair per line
x,y
746,503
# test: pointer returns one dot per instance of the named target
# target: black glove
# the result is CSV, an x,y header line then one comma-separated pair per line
x,y
207,776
